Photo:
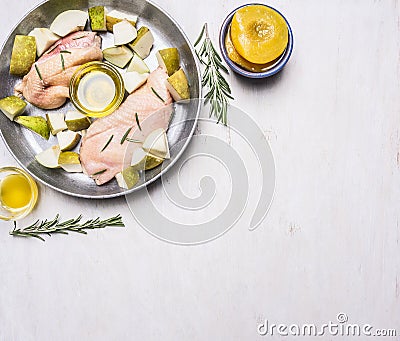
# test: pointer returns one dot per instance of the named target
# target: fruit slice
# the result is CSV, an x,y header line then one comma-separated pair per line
x,y
69,161
49,157
238,59
97,16
76,121
178,86
67,140
56,122
134,80
156,143
118,55
44,39
259,33
12,106
128,178
23,55
124,32
68,22
142,160
169,60
115,17
137,64
143,42
37,124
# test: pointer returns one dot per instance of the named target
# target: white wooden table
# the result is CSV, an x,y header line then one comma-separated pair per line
x,y
329,244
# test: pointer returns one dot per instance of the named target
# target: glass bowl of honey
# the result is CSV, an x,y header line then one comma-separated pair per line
x,y
18,193
96,89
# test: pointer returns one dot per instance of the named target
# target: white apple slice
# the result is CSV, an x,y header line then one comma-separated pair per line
x,y
49,157
68,22
137,64
68,139
115,17
44,39
143,42
118,55
56,122
156,143
134,80
124,33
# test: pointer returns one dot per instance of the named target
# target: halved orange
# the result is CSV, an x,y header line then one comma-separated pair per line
x,y
259,33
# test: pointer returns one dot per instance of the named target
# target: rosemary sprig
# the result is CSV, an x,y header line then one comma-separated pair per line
x,y
38,72
218,88
62,61
99,172
156,93
137,121
108,142
73,225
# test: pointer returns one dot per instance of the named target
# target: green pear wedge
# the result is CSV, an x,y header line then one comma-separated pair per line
x,y
128,178
23,55
178,86
12,106
169,60
97,17
37,124
69,161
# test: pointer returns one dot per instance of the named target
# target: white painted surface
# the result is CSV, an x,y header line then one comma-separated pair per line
x,y
330,243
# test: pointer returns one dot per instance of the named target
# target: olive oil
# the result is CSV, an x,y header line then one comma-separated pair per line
x,y
96,90
15,192
18,193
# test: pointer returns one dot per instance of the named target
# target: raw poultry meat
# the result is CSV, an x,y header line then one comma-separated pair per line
x,y
153,113
56,68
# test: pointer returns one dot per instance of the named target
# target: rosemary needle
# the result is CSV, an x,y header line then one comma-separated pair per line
x,y
38,72
156,93
62,61
99,172
108,142
65,51
133,140
137,121
126,135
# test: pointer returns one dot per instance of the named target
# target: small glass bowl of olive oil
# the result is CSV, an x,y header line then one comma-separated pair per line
x,y
96,89
18,193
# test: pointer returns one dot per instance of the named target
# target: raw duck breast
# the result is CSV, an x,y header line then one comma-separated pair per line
x,y
153,113
52,90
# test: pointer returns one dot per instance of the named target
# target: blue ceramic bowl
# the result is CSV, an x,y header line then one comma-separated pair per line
x,y
273,69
